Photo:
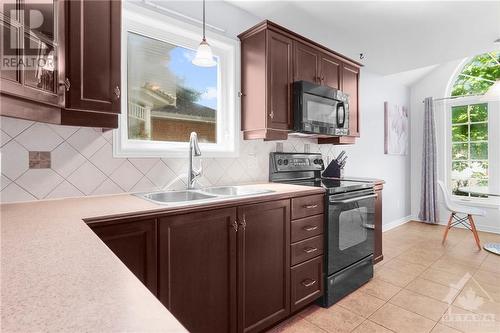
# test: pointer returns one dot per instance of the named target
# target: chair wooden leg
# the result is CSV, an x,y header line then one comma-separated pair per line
x,y
474,231
447,227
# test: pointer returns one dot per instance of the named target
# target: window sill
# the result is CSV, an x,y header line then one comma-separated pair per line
x,y
495,204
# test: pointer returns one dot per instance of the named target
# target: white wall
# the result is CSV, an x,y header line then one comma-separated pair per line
x,y
435,85
82,161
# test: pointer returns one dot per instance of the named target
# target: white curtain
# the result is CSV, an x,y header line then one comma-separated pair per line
x,y
429,194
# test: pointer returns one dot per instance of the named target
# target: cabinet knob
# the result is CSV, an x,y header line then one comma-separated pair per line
x,y
271,115
308,283
117,92
235,225
243,222
66,84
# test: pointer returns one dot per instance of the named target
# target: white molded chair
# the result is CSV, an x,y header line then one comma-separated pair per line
x,y
460,214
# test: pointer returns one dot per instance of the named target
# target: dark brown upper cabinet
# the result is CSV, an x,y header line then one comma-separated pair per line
x,y
306,63
266,77
76,51
269,52
134,242
330,71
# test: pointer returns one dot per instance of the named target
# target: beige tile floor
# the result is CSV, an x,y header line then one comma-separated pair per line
x,y
420,286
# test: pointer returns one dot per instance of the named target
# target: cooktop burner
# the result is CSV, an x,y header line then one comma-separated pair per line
x,y
305,169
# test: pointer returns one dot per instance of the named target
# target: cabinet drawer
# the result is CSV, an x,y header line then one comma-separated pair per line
x,y
307,227
306,282
307,206
306,249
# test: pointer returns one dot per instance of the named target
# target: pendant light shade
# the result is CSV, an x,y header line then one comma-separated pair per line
x,y
493,93
204,56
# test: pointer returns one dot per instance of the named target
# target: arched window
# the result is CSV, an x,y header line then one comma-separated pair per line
x,y
474,124
478,75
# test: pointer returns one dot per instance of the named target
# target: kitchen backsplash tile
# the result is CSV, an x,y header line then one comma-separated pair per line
x,y
82,163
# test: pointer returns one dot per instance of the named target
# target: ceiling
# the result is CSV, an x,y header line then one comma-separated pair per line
x,y
394,36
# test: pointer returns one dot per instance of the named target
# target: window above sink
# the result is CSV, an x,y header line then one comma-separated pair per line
x,y
166,97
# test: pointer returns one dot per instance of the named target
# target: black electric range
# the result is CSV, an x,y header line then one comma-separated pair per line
x,y
349,225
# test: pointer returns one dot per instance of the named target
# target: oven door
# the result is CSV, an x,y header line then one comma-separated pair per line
x,y
351,218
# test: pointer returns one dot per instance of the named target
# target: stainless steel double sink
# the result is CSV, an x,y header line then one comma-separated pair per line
x,y
205,194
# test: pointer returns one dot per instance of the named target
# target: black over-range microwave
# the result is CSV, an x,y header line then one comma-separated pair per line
x,y
320,110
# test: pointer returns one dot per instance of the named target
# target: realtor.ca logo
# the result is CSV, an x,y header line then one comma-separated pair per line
x,y
473,300
28,37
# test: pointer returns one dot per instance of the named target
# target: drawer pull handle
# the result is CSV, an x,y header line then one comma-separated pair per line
x,y
310,206
310,249
310,227
308,283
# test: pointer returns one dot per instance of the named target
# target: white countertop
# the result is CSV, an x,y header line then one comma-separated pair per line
x,y
57,275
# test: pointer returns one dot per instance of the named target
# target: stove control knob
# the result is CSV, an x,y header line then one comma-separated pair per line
x,y
280,162
320,161
285,162
316,161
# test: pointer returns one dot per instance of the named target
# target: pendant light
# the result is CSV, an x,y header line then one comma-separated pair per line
x,y
204,56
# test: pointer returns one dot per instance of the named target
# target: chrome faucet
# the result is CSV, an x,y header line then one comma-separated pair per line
x,y
194,150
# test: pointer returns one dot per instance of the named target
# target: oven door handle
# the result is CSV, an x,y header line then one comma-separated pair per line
x,y
352,199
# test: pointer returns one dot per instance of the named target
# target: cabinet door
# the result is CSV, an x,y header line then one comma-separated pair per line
x,y
30,50
197,269
280,81
350,85
306,63
330,71
263,265
135,244
93,55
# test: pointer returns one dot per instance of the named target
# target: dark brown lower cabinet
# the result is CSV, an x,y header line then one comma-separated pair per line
x,y
134,242
219,270
263,265
197,269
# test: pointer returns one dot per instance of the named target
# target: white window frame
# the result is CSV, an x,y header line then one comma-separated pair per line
x,y
493,150
146,22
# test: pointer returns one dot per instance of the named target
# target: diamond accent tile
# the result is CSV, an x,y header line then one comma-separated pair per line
x,y
103,159
15,159
4,182
87,178
107,187
64,131
126,176
39,137
86,141
39,182
13,126
143,164
64,190
65,159
4,138
144,185
14,193
161,175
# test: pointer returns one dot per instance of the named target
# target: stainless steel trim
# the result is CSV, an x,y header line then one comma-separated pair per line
x,y
332,200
